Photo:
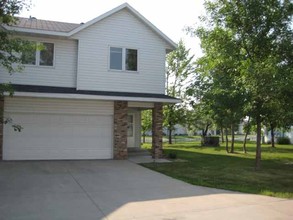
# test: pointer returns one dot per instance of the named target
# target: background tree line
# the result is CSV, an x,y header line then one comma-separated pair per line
x,y
246,71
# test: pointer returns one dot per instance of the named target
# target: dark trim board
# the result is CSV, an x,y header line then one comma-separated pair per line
x,y
68,90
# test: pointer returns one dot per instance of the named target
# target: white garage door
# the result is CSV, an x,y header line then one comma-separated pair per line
x,y
58,129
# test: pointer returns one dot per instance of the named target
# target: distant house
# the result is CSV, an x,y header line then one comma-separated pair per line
x,y
81,96
289,134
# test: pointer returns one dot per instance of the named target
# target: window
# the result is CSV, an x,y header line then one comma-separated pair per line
x,y
123,59
29,56
115,58
41,55
131,60
47,54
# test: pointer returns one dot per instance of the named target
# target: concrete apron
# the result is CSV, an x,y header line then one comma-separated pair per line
x,y
120,190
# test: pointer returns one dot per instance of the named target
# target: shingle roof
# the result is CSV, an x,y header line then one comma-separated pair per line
x,y
33,23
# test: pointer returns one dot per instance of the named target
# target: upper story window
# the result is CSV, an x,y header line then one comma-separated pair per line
x,y
29,56
116,58
41,55
131,60
123,59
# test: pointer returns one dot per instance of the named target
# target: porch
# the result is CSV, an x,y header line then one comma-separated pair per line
x,y
127,128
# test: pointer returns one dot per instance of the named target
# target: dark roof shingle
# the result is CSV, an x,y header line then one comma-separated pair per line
x,y
33,23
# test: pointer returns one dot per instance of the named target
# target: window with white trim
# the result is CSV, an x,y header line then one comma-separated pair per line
x,y
40,55
123,59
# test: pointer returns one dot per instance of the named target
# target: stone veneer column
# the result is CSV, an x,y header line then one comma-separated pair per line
x,y
157,131
120,130
1,126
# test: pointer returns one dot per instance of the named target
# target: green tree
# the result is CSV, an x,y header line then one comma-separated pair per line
x,y
260,33
279,115
198,118
179,68
246,128
146,123
10,46
216,85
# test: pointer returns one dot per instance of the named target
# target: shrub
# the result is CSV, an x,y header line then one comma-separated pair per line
x,y
172,155
283,140
211,141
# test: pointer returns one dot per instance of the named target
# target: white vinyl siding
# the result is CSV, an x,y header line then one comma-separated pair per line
x,y
122,30
61,74
143,105
56,106
58,129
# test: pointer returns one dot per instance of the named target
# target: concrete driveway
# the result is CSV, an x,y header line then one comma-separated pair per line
x,y
120,190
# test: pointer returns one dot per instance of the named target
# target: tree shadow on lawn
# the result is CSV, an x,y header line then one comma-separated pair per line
x,y
271,158
238,147
204,153
229,171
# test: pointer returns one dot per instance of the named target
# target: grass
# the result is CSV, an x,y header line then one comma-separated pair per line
x,y
213,167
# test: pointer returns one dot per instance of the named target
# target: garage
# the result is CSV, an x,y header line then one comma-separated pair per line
x,y
58,129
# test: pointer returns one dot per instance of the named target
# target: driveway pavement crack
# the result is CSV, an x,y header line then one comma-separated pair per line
x,y
90,198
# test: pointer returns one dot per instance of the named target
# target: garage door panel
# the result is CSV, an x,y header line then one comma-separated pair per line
x,y
58,119
52,154
50,125
58,136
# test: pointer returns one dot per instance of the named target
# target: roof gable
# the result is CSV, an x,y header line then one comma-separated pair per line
x,y
135,13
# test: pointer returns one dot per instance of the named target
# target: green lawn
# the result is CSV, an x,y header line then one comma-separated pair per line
x,y
213,167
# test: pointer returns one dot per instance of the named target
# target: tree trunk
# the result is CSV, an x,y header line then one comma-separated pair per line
x,y
202,138
170,135
246,134
244,142
222,134
226,134
272,135
143,138
205,131
258,143
232,138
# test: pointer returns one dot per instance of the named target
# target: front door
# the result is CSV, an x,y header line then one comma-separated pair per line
x,y
130,131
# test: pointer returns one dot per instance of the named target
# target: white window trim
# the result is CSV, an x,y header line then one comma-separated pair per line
x,y
123,59
38,55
